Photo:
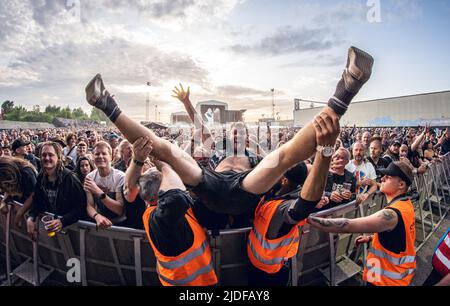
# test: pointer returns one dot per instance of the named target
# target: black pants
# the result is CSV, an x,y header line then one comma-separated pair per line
x,y
432,279
256,277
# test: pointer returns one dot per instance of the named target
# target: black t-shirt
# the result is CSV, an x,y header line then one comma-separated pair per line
x,y
335,182
133,212
169,229
395,240
51,190
381,164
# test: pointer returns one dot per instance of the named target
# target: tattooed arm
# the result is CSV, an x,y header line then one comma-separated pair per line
x,y
382,221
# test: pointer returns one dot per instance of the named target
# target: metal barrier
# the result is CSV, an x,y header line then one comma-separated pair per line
x,y
123,256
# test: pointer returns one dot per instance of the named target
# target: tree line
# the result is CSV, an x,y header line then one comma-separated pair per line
x,y
20,113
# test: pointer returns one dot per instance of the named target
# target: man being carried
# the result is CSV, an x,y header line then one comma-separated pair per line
x,y
233,187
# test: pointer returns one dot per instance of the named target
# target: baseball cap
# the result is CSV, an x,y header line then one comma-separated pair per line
x,y
19,142
399,169
396,142
112,136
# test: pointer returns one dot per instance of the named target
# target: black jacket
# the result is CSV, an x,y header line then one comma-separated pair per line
x,y
70,199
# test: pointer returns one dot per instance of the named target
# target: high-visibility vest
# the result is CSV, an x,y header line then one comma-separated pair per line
x,y
441,257
193,267
385,268
269,255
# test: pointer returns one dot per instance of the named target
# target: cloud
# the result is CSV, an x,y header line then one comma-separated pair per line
x,y
240,91
119,60
292,40
321,60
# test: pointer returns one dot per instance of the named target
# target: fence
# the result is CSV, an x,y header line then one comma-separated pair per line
x,y
123,256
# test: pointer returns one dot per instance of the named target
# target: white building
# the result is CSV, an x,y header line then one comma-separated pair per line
x,y
397,111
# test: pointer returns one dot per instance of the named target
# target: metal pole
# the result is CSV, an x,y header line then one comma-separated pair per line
x,y
36,275
332,260
137,260
273,103
84,281
147,108
7,237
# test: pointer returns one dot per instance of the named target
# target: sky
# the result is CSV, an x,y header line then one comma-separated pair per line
x,y
234,51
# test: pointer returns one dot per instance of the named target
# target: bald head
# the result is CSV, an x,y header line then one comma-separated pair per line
x,y
149,184
358,151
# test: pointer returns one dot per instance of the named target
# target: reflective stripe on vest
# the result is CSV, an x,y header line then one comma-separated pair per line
x,y
389,274
273,261
265,254
193,266
273,245
394,269
393,260
186,280
184,260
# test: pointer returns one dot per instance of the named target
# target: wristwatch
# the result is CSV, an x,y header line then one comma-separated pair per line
x,y
327,151
102,196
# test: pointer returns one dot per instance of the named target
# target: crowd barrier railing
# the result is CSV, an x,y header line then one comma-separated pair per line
x,y
123,256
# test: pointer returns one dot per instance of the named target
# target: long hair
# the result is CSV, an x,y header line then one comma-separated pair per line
x,y
78,170
11,174
59,164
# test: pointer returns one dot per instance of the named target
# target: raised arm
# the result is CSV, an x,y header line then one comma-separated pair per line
x,y
382,221
141,150
183,96
419,139
327,131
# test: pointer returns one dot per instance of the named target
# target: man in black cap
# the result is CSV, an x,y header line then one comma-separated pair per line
x,y
391,259
393,152
19,149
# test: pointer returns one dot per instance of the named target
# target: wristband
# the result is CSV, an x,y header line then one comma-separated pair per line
x,y
138,163
95,215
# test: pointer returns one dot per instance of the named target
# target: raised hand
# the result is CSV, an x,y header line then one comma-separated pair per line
x,y
327,129
142,148
181,94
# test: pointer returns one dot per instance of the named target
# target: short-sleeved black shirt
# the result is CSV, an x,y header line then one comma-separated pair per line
x,y
169,229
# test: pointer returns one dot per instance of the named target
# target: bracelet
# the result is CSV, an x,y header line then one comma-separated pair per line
x,y
138,163
95,215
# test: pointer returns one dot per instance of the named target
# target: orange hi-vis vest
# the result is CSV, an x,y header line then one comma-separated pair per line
x,y
385,268
265,254
193,267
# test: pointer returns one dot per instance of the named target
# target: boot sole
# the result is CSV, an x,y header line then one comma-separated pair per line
x,y
92,94
359,64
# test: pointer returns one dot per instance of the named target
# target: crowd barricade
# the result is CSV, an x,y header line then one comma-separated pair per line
x,y
123,256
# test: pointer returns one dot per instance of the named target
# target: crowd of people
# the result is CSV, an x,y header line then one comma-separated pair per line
x,y
174,184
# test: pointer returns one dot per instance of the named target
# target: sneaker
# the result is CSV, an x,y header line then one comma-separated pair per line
x,y
358,69
95,91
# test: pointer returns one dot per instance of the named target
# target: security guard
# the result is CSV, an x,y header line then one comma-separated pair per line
x,y
274,237
391,260
178,240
